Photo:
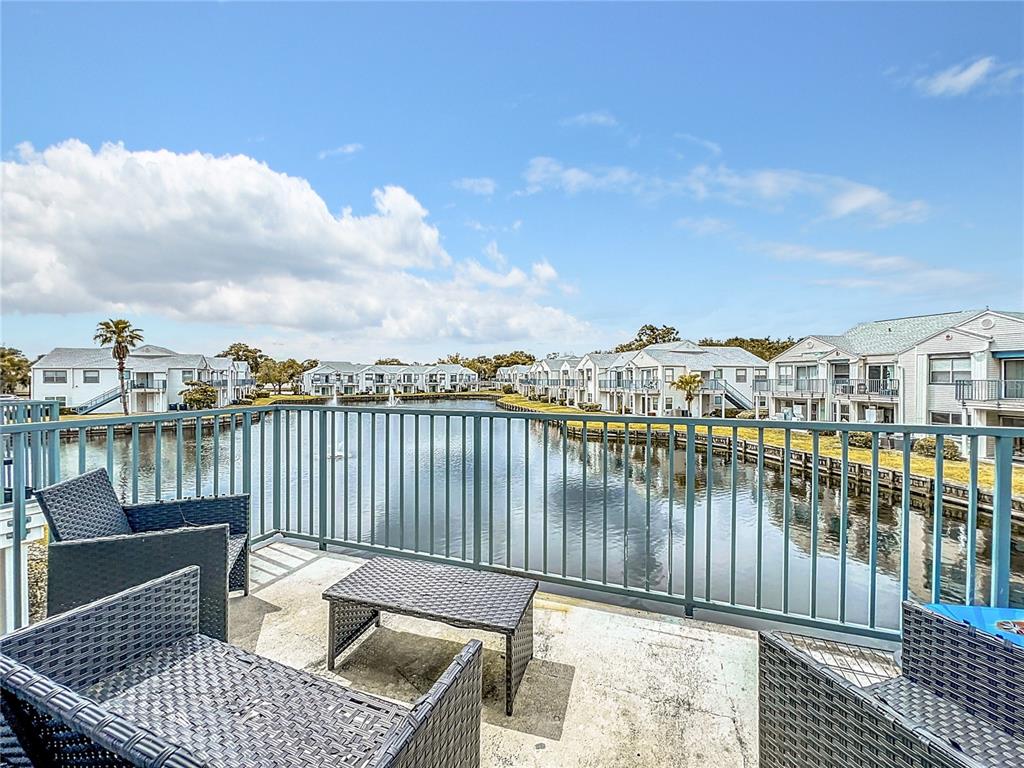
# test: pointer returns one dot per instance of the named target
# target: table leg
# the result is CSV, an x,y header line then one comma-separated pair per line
x,y
518,652
346,621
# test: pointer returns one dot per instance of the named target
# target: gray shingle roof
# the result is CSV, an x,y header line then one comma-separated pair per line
x,y
76,357
896,334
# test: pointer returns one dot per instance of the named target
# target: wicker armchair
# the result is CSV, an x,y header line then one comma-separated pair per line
x,y
99,547
958,700
128,681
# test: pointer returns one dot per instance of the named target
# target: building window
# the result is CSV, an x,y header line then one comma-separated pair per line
x,y
63,401
785,371
946,370
55,377
670,375
668,403
188,375
741,375
717,373
90,377
939,417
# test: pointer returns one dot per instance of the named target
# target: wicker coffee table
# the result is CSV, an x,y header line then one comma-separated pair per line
x,y
492,602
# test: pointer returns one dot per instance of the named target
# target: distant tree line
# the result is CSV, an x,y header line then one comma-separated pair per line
x,y
766,348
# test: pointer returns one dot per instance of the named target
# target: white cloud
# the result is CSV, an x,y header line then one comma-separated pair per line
x,y
344,149
548,173
495,255
601,117
837,196
481,185
870,271
981,73
227,240
713,147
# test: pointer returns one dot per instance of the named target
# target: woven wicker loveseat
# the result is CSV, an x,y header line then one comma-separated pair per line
x,y
955,700
128,680
99,546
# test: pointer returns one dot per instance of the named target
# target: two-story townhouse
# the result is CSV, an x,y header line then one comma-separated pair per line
x,y
643,381
970,373
591,370
86,379
947,368
511,375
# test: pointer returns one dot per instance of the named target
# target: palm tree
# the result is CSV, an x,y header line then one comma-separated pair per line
x,y
123,338
689,384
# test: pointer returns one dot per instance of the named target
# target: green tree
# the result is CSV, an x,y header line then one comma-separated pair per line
x,y
766,348
390,361
15,370
198,395
241,351
273,374
517,357
122,337
689,384
647,335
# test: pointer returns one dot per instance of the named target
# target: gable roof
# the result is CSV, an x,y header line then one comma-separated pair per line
x,y
76,357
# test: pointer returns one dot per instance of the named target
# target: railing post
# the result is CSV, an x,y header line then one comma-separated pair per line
x,y
246,453
1001,500
477,493
691,481
18,476
276,475
322,532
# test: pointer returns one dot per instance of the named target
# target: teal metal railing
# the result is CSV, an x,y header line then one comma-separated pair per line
x,y
647,513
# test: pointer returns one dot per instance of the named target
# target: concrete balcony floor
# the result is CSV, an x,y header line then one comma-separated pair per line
x,y
608,686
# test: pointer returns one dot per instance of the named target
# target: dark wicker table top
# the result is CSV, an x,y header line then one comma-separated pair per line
x,y
455,595
233,708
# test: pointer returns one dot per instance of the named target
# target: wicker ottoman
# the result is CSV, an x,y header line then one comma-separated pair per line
x,y
491,602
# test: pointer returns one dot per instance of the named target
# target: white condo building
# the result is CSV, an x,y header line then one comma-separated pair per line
x,y
86,378
953,368
340,377
640,382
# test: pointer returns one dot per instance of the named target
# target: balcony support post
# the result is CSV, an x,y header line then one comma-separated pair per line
x,y
1001,499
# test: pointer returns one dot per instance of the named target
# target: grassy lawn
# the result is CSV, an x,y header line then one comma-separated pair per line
x,y
79,416
923,466
289,398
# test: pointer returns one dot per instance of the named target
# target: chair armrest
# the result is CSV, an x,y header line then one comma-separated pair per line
x,y
443,727
981,672
92,642
207,510
84,570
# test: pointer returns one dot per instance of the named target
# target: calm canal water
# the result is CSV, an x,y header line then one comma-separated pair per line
x,y
575,522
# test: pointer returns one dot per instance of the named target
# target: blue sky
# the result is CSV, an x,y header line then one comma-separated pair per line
x,y
348,181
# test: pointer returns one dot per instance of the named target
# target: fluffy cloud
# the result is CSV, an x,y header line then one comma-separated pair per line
x,y
481,185
229,240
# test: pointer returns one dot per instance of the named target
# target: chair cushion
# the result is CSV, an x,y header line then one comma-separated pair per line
x,y
84,507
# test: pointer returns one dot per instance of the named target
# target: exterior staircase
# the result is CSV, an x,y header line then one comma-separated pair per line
x,y
100,400
730,393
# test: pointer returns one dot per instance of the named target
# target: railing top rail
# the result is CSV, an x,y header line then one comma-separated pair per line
x,y
592,418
